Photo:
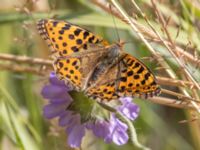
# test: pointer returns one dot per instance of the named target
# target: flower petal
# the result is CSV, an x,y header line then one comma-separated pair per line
x,y
54,80
100,128
53,91
61,100
118,131
120,135
53,110
75,136
65,118
75,120
129,109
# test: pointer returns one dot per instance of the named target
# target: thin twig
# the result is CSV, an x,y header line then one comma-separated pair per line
x,y
22,59
176,56
172,51
174,82
171,102
17,68
179,96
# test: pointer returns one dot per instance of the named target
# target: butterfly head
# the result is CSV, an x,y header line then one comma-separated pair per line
x,y
120,44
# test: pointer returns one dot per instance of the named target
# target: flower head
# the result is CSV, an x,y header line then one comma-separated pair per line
x,y
77,117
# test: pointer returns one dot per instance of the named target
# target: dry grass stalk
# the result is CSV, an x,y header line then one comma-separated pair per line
x,y
169,44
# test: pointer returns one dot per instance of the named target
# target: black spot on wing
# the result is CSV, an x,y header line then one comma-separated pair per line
x,y
123,79
79,41
61,31
77,32
136,65
66,27
71,36
91,39
55,23
136,76
74,48
64,44
85,34
130,73
140,70
147,75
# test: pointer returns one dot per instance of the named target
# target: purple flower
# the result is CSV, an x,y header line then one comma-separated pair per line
x,y
129,109
72,116
112,131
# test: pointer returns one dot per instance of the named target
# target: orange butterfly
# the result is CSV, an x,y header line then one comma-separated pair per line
x,y
88,63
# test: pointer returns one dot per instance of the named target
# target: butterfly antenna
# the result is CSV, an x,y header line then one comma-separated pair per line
x,y
115,25
128,42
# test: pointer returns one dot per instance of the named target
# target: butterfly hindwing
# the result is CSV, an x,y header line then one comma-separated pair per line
x,y
77,70
68,70
136,78
129,77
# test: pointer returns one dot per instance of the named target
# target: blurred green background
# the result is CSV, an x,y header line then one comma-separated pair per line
x,y
22,125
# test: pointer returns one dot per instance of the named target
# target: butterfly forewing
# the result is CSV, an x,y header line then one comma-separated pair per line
x,y
66,39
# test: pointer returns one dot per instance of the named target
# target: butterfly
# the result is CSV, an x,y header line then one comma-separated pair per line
x,y
90,64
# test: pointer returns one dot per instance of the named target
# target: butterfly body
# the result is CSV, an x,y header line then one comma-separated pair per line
x,y
89,64
109,59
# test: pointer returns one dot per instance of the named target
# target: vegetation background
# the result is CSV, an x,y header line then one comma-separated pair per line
x,y
22,125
